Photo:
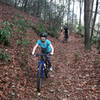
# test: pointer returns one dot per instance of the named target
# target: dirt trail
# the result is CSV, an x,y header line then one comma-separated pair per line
x,y
74,75
71,77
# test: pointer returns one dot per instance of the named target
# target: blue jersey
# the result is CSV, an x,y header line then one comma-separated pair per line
x,y
46,48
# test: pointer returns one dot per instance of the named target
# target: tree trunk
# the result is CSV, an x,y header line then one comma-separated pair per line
x,y
25,4
80,12
68,14
91,10
73,12
96,10
38,8
50,15
15,3
45,11
87,20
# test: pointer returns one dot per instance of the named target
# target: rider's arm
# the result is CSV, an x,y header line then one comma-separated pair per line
x,y
52,52
33,52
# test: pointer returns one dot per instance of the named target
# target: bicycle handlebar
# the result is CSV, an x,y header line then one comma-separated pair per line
x,y
41,54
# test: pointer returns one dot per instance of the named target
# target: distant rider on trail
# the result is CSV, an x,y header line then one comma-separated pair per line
x,y
65,32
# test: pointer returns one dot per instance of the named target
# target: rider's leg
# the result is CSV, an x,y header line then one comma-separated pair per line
x,y
66,37
48,62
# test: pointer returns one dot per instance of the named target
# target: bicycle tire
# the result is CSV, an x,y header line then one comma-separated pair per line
x,y
39,78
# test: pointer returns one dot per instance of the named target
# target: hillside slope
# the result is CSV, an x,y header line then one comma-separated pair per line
x,y
75,71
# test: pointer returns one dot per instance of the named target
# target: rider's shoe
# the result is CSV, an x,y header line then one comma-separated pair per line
x,y
39,94
51,69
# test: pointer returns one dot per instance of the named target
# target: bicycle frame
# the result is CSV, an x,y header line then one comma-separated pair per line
x,y
42,70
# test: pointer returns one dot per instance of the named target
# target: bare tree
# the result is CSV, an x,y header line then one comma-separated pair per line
x,y
81,5
16,3
25,4
94,19
88,7
73,11
68,14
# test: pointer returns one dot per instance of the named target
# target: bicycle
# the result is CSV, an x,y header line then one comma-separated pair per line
x,y
43,69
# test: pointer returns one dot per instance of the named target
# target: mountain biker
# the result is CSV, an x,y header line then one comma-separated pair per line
x,y
46,46
65,31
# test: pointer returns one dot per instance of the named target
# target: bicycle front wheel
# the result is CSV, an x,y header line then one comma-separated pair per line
x,y
39,78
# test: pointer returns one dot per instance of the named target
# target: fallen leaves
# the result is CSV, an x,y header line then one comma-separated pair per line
x,y
75,75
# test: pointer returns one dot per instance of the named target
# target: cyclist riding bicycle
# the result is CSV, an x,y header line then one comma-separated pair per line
x,y
46,47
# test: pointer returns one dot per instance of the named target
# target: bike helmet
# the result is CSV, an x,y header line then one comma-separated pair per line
x,y
65,27
43,34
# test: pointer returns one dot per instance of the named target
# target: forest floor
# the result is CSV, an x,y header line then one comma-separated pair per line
x,y
75,74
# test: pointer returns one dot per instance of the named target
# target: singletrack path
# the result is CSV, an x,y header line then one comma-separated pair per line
x,y
73,72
